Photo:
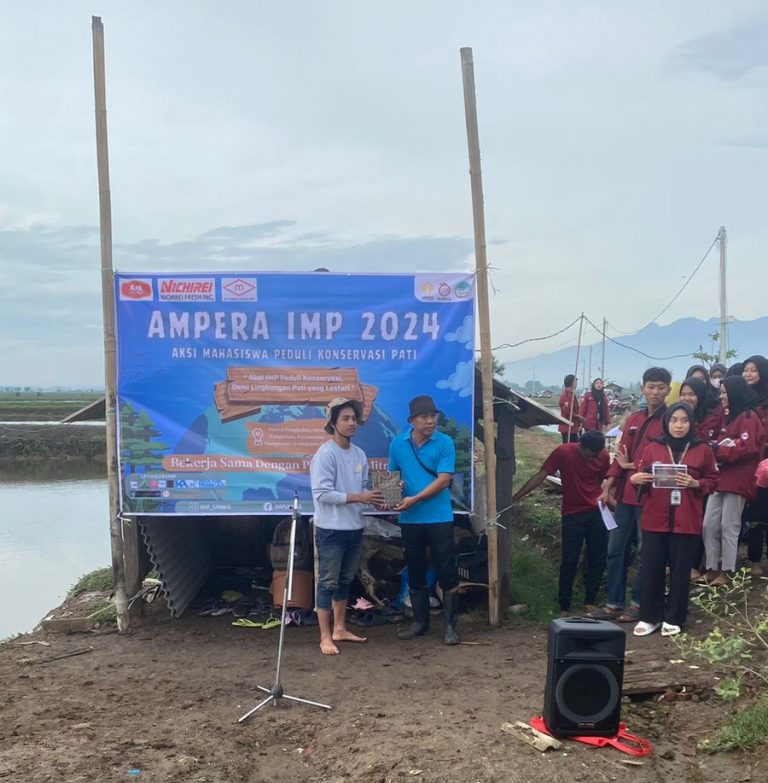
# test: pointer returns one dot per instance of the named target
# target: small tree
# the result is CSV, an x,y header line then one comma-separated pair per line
x,y
714,356
497,367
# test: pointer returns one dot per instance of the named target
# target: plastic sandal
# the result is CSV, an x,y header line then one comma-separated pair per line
x,y
272,622
667,629
370,619
645,629
629,615
244,622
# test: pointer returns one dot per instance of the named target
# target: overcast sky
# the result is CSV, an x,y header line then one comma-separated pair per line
x,y
616,138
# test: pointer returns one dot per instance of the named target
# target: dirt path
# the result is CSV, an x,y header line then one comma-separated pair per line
x,y
165,699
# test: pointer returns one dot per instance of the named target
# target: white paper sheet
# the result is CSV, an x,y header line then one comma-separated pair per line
x,y
608,520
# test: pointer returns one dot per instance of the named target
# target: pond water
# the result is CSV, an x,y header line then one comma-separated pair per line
x,y
54,528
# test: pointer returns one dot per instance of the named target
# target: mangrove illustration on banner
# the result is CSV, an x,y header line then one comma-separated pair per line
x,y
222,380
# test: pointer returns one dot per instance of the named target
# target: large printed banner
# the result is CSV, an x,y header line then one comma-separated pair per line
x,y
223,379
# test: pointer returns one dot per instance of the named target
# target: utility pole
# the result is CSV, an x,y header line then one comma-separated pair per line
x,y
498,544
602,361
723,300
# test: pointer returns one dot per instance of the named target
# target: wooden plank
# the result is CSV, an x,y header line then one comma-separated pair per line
x,y
542,742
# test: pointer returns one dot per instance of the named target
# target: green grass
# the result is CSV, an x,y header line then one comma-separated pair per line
x,y
95,581
746,730
105,614
533,580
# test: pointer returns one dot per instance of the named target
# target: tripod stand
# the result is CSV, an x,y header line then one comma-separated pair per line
x,y
276,692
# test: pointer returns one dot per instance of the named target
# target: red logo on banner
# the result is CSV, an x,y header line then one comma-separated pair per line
x,y
135,289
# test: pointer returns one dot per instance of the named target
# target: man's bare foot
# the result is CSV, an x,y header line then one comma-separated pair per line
x,y
589,608
327,647
343,635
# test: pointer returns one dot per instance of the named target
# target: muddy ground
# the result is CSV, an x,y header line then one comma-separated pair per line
x,y
165,699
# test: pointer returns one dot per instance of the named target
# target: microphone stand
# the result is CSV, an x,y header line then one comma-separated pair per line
x,y
276,692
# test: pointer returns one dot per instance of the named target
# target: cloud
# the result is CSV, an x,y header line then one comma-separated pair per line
x,y
461,380
50,283
242,233
728,54
464,334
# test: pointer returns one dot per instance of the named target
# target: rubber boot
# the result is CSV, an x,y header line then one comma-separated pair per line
x,y
450,615
420,624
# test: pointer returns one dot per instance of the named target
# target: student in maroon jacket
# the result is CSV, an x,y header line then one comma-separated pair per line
x,y
755,373
708,421
583,467
594,407
707,410
738,452
639,429
672,519
569,405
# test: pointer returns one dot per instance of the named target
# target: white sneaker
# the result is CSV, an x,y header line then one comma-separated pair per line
x,y
667,629
645,629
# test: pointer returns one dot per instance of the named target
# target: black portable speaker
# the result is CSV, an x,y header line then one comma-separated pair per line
x,y
585,670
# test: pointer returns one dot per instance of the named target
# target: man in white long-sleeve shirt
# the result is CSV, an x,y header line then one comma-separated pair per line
x,y
339,476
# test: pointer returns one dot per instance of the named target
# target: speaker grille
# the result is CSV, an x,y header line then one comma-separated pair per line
x,y
586,693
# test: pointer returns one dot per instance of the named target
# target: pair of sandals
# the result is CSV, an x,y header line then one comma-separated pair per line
x,y
266,625
629,615
646,629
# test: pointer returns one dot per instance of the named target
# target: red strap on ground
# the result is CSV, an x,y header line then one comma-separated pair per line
x,y
623,741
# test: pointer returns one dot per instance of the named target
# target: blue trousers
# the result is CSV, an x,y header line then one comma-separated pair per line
x,y
338,556
617,562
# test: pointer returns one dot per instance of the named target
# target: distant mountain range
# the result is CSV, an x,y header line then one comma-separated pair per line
x,y
625,366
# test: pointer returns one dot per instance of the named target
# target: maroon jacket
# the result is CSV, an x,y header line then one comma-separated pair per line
x,y
639,430
566,400
762,414
709,429
594,418
739,462
659,516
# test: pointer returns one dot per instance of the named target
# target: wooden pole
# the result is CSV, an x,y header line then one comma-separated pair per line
x,y
575,376
486,359
723,300
108,310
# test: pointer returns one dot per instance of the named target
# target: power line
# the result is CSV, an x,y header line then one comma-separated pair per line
x,y
637,350
677,295
536,339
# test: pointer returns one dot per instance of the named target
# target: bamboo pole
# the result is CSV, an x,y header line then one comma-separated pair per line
x,y
108,310
486,359
576,375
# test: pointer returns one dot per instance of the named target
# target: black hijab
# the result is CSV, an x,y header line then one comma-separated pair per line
x,y
741,396
735,369
701,368
677,445
717,366
598,395
705,400
761,387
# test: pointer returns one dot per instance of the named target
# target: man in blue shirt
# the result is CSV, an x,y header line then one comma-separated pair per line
x,y
426,460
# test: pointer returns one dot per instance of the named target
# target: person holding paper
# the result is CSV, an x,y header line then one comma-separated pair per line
x,y
583,466
639,430
738,452
672,518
